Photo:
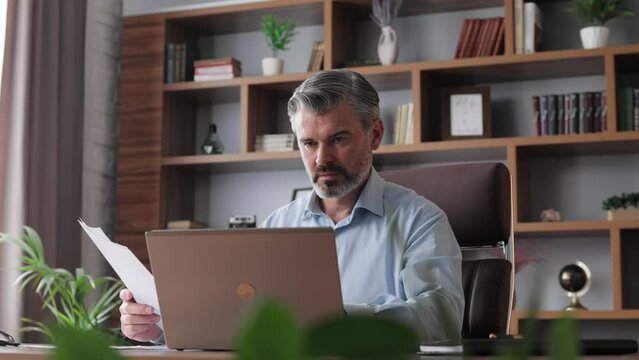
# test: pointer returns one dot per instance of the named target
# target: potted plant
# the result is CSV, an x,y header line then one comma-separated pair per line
x,y
597,13
278,37
384,13
622,207
63,293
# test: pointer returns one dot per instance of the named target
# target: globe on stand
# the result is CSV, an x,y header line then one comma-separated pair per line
x,y
575,279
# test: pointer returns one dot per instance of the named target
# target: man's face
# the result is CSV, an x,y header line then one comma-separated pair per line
x,y
336,151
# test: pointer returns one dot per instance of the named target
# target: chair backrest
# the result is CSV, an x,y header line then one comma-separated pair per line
x,y
477,200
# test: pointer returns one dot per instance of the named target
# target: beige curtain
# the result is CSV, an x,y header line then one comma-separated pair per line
x,y
42,108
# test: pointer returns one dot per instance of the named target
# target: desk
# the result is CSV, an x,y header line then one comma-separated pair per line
x,y
23,353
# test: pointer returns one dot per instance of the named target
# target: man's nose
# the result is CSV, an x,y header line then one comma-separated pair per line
x,y
324,155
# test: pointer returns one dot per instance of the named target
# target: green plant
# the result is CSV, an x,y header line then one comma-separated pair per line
x,y
75,344
63,293
599,12
271,332
622,201
278,35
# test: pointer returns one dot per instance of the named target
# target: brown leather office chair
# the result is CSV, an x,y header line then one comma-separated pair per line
x,y
477,200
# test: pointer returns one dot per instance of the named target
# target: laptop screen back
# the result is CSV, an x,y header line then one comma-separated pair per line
x,y
208,280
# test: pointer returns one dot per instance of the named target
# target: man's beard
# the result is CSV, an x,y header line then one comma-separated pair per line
x,y
350,182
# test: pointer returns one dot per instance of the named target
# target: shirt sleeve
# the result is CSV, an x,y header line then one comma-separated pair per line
x,y
431,280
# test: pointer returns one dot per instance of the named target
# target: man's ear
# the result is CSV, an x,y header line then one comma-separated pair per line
x,y
378,132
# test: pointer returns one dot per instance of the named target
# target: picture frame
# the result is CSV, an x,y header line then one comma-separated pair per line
x,y
300,192
466,112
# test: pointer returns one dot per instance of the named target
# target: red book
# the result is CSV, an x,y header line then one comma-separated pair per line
x,y
469,30
471,38
462,34
480,37
494,32
499,44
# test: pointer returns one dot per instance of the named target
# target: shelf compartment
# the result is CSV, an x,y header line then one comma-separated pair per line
x,y
629,268
239,18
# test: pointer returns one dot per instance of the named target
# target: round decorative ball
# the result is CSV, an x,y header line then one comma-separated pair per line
x,y
572,278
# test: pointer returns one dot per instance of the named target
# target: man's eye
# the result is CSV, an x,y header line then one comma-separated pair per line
x,y
309,144
337,140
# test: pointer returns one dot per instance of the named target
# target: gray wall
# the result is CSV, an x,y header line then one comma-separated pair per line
x,y
574,185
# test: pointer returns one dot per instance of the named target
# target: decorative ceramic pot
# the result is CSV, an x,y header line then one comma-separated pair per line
x,y
388,46
593,37
272,66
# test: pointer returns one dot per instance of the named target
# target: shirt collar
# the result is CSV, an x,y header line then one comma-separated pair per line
x,y
371,198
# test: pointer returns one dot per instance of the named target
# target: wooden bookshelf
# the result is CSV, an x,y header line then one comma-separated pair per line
x,y
158,163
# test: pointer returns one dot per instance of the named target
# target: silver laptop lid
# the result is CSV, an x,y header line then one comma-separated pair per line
x,y
208,280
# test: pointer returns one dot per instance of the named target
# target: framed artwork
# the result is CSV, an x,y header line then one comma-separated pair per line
x,y
466,112
300,192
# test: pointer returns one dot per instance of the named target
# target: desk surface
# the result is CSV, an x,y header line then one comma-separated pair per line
x,y
25,353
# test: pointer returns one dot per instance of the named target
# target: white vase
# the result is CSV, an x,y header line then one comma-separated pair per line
x,y
272,66
388,46
593,37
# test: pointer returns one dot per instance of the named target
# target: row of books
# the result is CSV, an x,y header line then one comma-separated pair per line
x,y
217,69
403,126
575,113
628,106
527,27
480,37
275,142
178,56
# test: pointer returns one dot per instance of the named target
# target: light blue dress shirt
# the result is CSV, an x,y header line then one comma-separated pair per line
x,y
397,256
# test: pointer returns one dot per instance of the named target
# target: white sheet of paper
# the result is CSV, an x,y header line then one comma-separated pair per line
x,y
130,270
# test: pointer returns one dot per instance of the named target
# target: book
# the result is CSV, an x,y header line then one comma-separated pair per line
x,y
552,115
519,26
532,27
596,112
536,115
543,111
460,41
588,116
311,59
635,107
499,42
169,64
218,69
184,224
212,77
560,114
470,38
567,110
409,124
574,113
481,37
583,107
603,118
318,61
217,61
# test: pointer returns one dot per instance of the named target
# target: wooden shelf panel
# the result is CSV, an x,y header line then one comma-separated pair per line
x,y
585,315
551,64
574,226
444,151
240,18
579,145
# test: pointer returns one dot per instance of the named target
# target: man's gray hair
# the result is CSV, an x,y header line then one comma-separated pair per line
x,y
324,90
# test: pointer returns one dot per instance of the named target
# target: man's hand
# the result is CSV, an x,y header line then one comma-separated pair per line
x,y
138,320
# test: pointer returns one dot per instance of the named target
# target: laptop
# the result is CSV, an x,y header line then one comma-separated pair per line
x,y
208,281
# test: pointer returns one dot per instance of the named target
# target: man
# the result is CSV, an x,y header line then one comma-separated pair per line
x,y
397,254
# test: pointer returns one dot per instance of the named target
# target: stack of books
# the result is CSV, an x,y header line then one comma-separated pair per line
x,y
184,224
178,55
481,37
628,105
576,113
527,27
275,142
403,127
317,57
217,69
